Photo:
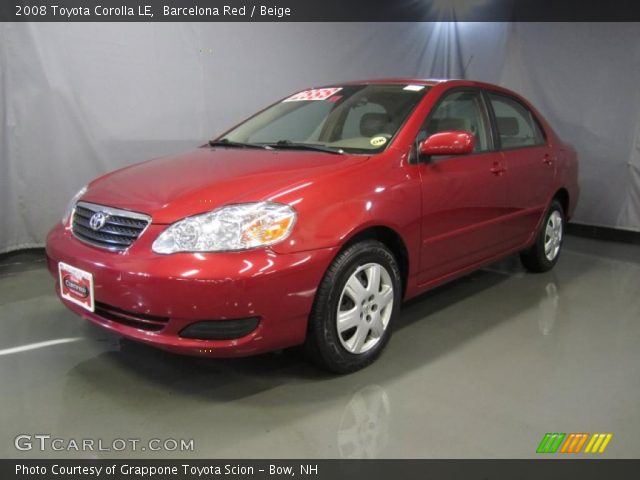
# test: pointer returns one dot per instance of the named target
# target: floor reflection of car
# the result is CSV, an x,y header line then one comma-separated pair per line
x,y
310,222
364,426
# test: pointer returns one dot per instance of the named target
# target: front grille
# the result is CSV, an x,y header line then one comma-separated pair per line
x,y
120,229
142,321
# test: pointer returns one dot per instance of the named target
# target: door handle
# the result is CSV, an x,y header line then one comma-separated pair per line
x,y
497,169
547,159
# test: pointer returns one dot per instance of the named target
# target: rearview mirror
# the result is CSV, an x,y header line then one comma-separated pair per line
x,y
447,143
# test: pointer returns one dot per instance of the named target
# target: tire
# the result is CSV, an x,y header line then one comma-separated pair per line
x,y
367,310
544,253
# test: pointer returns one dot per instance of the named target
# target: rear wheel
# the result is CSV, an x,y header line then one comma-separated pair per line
x,y
544,253
355,306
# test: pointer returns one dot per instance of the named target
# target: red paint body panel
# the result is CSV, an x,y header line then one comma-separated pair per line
x,y
171,188
452,216
188,287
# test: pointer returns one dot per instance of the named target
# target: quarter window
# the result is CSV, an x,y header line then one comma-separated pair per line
x,y
516,125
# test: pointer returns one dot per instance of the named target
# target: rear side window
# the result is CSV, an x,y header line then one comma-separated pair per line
x,y
517,127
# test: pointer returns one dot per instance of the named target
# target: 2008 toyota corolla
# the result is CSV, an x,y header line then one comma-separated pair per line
x,y
312,221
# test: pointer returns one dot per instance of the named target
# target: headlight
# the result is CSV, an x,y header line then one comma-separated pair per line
x,y
72,204
235,227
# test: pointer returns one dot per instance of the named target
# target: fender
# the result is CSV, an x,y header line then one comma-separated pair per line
x,y
347,208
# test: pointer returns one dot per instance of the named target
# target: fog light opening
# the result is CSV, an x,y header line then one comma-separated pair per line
x,y
220,329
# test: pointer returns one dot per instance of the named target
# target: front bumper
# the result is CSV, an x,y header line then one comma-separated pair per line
x,y
185,288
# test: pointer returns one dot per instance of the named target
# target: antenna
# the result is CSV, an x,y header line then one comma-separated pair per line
x,y
464,70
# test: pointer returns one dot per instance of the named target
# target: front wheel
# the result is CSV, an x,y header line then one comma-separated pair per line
x,y
544,253
354,308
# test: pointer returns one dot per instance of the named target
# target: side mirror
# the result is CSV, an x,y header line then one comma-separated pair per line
x,y
447,143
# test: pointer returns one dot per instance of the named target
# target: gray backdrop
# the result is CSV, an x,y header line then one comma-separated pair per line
x,y
78,100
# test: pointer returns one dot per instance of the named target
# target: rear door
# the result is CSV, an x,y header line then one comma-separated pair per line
x,y
529,162
464,197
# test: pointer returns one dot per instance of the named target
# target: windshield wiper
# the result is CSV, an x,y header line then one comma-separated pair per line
x,y
225,142
305,146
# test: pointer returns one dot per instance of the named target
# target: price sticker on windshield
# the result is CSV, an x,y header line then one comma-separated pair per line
x,y
314,94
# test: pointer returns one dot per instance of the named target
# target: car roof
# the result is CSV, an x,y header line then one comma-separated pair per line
x,y
421,81
447,82
412,81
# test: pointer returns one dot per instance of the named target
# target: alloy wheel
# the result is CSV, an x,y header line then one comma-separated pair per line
x,y
553,236
365,308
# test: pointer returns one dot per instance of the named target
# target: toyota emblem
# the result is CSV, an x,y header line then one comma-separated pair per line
x,y
97,220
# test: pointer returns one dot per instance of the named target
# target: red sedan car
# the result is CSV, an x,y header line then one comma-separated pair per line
x,y
311,222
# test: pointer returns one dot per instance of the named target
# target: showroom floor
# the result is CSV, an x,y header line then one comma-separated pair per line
x,y
482,367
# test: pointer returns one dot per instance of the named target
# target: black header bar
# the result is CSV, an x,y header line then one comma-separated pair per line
x,y
318,10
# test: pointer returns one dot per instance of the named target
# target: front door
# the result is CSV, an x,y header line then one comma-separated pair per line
x,y
464,198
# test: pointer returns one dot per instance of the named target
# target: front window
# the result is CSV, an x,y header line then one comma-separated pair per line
x,y
353,118
460,110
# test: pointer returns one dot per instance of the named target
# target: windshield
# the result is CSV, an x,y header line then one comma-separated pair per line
x,y
353,118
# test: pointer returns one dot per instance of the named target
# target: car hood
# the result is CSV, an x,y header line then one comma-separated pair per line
x,y
173,187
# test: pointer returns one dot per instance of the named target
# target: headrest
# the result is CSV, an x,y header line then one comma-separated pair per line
x,y
508,126
374,123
